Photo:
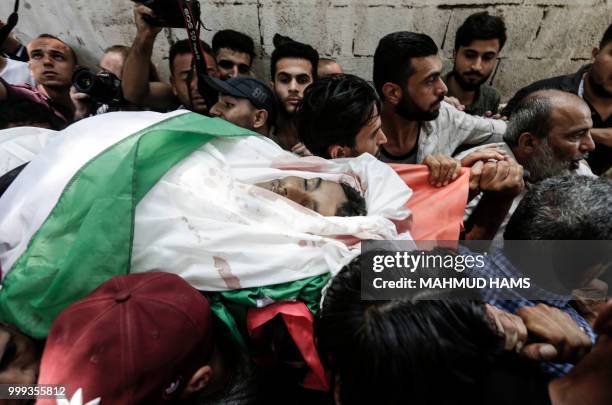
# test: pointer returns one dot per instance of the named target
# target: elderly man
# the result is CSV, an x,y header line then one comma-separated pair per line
x,y
549,135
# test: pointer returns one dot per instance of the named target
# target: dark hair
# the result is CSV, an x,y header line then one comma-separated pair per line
x,y
607,37
25,113
333,111
393,55
567,207
124,51
356,204
430,351
234,40
181,47
285,47
531,115
481,26
74,55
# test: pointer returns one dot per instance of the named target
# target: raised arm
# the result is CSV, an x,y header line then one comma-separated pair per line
x,y
135,84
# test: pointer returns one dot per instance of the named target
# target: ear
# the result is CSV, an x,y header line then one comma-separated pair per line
x,y
392,93
528,143
594,54
199,380
260,118
173,85
337,151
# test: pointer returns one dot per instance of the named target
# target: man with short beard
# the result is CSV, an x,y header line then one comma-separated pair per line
x,y
592,83
478,42
416,120
549,135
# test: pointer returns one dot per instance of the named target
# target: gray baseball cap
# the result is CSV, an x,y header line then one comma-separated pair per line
x,y
256,91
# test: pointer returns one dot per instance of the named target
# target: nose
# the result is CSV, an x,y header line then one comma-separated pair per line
x,y
234,72
47,60
214,111
381,138
293,85
477,65
296,195
442,89
587,145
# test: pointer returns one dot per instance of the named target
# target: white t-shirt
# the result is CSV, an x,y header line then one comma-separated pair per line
x,y
16,72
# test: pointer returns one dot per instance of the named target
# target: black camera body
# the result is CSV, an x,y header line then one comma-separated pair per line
x,y
103,87
168,12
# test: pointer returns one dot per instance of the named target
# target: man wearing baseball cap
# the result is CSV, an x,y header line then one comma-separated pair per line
x,y
246,102
137,339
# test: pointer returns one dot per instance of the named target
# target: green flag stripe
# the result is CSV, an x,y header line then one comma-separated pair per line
x,y
87,237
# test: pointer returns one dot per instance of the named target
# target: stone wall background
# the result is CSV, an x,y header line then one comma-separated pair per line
x,y
545,37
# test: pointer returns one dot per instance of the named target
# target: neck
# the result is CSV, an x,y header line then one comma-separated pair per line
x,y
402,134
602,105
465,97
60,95
286,132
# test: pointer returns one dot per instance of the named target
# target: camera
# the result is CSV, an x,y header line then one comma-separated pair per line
x,y
103,87
169,12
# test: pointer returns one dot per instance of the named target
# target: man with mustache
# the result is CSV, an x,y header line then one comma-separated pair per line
x,y
592,83
477,43
415,118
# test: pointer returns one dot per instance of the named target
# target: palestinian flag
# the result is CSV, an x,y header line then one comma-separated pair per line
x,y
79,232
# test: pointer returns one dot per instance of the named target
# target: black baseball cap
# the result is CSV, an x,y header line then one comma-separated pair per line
x,y
256,91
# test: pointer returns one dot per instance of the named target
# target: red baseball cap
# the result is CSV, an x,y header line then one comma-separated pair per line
x,y
135,339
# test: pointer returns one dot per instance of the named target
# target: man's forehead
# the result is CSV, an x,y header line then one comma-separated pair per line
x,y
294,66
571,115
483,45
426,65
49,44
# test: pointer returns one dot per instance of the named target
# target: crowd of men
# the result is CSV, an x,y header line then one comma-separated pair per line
x,y
539,169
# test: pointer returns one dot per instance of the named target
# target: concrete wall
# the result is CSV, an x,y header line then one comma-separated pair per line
x,y
545,37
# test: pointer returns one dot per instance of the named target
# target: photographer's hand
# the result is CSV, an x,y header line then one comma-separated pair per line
x,y
144,28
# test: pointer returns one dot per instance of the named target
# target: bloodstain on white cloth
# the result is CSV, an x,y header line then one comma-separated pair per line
x,y
225,271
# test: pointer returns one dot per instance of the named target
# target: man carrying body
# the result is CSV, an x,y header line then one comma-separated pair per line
x,y
293,67
416,120
477,43
234,53
52,63
549,135
157,95
592,83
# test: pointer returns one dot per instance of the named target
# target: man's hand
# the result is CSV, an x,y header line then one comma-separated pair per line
x,y
505,178
143,27
489,114
559,338
508,326
84,106
442,169
454,102
484,154
301,150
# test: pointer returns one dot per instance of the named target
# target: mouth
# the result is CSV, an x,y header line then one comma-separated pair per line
x,y
294,100
49,74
